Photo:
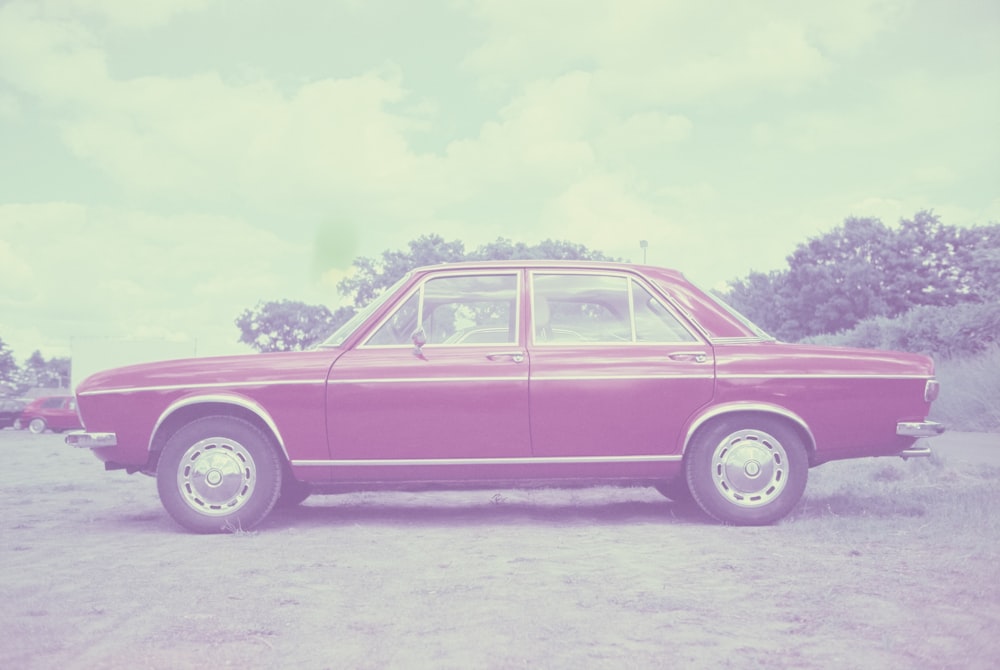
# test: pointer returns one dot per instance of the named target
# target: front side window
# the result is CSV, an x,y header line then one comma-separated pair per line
x,y
455,310
653,321
595,309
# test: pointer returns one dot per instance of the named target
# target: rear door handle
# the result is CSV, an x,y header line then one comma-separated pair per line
x,y
696,356
516,356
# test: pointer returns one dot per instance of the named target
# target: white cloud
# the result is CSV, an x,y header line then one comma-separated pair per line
x,y
598,209
126,13
721,132
104,272
667,52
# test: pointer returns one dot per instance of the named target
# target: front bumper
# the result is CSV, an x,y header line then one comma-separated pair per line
x,y
91,440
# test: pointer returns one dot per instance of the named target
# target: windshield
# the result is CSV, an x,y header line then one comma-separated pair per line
x,y
355,321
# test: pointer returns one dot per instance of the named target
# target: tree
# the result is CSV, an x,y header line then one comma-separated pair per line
x,y
284,325
984,256
42,373
372,276
864,269
9,370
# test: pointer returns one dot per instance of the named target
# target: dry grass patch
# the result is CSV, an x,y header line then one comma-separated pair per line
x,y
884,564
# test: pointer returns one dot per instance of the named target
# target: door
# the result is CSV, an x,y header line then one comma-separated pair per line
x,y
614,371
461,394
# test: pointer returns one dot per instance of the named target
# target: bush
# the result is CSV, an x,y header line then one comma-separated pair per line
x,y
965,343
943,332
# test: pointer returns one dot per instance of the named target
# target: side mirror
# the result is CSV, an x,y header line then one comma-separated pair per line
x,y
419,339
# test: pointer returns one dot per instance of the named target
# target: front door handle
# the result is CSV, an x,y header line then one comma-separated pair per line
x,y
516,356
696,356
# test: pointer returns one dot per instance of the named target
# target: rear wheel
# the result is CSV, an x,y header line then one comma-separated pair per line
x,y
748,470
676,489
218,474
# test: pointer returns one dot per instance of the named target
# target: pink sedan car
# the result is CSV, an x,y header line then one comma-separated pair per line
x,y
476,374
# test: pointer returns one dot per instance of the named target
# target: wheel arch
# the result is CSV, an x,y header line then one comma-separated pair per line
x,y
755,410
186,410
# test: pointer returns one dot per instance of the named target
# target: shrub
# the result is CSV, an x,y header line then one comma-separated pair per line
x,y
942,332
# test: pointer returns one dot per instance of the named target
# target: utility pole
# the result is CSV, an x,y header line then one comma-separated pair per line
x,y
643,244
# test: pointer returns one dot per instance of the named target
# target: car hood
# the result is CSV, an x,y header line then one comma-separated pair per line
x,y
215,370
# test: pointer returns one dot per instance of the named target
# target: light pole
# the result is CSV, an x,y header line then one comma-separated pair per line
x,y
643,244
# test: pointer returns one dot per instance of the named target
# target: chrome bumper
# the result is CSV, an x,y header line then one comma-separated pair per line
x,y
91,440
919,428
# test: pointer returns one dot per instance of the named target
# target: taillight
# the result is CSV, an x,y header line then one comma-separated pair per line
x,y
931,390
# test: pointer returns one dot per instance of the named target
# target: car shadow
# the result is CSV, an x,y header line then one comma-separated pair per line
x,y
327,510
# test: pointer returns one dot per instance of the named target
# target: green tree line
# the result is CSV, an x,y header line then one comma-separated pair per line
x,y
286,325
919,286
865,270
37,371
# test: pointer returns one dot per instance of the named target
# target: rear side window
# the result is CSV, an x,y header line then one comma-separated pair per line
x,y
605,309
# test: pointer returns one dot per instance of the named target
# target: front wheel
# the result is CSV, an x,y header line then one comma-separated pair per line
x,y
218,474
37,426
747,471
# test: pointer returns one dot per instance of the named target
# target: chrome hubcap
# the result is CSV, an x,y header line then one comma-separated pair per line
x,y
216,476
749,468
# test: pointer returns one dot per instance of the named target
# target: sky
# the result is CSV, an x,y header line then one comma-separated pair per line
x,y
166,164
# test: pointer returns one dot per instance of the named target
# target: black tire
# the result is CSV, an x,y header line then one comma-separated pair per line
x,y
218,474
37,426
676,490
747,470
293,492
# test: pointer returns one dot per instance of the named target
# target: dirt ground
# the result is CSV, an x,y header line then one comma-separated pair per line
x,y
94,574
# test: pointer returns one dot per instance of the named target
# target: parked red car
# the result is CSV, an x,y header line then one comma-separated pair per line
x,y
472,374
56,413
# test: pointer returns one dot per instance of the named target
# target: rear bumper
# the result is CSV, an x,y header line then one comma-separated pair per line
x,y
91,440
919,428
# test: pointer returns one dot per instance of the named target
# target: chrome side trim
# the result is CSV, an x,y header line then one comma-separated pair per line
x,y
208,385
547,460
237,401
520,378
83,440
765,408
424,380
584,378
855,375
919,428
749,339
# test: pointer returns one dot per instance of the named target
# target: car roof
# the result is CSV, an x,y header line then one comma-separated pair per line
x,y
617,266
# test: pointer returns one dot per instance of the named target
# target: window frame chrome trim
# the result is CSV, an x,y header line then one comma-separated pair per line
x,y
419,288
683,318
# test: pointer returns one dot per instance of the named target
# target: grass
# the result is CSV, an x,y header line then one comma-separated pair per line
x,y
950,498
